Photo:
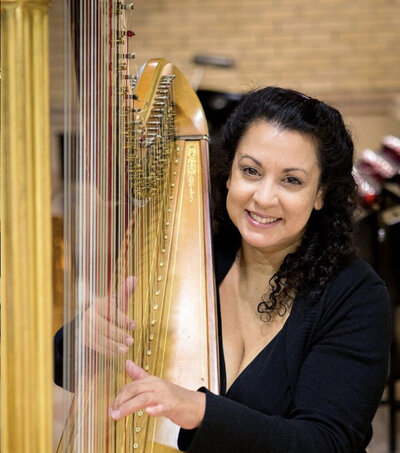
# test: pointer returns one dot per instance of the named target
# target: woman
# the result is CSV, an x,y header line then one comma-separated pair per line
x,y
304,323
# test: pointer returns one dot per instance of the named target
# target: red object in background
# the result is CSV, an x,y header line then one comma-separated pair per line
x,y
381,165
369,187
391,147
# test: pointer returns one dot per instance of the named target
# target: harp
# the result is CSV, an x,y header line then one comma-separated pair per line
x,y
136,205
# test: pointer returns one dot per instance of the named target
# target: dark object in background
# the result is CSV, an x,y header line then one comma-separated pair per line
x,y
217,61
217,106
388,266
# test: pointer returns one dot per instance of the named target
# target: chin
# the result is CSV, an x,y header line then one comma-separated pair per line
x,y
268,245
258,243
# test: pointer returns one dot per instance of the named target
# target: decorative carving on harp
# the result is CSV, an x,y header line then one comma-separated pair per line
x,y
136,205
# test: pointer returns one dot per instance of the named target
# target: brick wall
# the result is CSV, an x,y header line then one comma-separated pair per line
x,y
345,51
321,47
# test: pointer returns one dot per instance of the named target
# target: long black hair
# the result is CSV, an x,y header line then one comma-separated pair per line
x,y
327,244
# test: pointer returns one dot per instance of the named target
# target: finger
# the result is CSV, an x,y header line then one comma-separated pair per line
x,y
105,345
102,326
127,288
135,396
130,406
123,320
99,348
130,285
115,333
134,371
118,318
115,347
133,390
115,311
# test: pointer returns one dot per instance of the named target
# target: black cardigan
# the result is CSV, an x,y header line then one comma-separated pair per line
x,y
336,358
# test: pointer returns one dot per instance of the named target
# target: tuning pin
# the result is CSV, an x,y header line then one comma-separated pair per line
x,y
130,56
119,7
133,110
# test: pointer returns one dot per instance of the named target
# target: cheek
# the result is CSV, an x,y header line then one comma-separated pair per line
x,y
300,207
319,202
234,202
228,182
229,203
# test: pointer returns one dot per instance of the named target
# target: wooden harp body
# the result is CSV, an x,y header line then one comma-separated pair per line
x,y
137,190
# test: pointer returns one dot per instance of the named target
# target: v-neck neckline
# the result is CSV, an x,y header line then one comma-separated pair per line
x,y
223,387
264,351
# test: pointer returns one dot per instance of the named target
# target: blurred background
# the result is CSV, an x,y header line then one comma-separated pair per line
x,y
343,52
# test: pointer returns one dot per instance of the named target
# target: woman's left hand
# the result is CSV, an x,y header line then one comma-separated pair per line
x,y
158,398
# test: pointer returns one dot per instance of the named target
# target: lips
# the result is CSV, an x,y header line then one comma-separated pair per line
x,y
263,220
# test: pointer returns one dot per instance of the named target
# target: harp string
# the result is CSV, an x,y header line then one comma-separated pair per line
x,y
101,209
95,214
121,165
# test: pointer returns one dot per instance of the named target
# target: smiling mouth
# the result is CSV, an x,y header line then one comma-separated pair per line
x,y
263,220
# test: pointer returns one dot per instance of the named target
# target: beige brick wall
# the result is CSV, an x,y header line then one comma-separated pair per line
x,y
344,51
322,47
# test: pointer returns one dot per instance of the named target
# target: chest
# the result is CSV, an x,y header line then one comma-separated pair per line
x,y
244,334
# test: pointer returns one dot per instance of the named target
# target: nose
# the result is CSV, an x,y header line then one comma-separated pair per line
x,y
266,194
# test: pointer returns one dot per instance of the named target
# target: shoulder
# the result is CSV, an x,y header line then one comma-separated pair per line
x,y
356,282
356,300
355,286
351,320
357,271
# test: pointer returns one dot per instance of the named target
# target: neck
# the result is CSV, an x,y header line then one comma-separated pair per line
x,y
254,268
256,261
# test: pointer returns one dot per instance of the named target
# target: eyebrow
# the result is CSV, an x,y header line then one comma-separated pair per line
x,y
252,158
285,170
288,170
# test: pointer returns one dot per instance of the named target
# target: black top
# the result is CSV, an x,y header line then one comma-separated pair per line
x,y
266,371
267,375
316,387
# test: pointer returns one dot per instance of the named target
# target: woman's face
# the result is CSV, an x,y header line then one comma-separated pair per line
x,y
273,186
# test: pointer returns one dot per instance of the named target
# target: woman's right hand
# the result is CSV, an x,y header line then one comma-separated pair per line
x,y
107,327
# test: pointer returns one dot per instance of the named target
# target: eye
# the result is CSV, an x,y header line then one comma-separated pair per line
x,y
250,171
292,180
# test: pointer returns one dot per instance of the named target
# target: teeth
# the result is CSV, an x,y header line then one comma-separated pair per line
x,y
263,219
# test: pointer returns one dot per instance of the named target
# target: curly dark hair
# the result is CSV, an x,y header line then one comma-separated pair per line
x,y
327,244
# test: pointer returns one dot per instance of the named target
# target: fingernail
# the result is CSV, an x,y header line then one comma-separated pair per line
x,y
115,414
129,341
122,349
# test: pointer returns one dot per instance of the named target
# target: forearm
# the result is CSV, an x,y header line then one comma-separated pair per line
x,y
230,427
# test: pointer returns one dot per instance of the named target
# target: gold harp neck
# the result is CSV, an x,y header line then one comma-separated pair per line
x,y
189,119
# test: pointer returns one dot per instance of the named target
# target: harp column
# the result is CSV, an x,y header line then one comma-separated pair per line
x,y
26,298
